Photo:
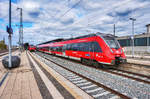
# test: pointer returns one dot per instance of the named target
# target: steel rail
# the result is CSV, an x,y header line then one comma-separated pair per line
x,y
116,73
90,80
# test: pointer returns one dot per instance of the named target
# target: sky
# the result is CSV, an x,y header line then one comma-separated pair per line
x,y
45,20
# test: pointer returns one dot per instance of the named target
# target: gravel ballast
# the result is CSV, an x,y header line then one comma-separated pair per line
x,y
129,87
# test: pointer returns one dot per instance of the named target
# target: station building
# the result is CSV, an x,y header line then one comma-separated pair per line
x,y
141,43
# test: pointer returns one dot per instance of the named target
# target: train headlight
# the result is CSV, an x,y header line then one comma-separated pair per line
x,y
123,50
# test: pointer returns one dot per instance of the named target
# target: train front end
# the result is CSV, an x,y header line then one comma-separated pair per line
x,y
114,51
32,48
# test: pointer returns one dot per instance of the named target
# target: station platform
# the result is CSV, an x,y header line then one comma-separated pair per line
x,y
139,60
30,82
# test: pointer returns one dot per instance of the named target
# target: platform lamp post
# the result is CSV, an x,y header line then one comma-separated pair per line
x,y
132,37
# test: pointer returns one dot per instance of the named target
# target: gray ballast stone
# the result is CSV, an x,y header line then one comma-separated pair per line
x,y
15,61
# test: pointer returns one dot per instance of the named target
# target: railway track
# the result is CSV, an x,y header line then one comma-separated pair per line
x,y
2,54
127,74
110,72
93,88
131,75
6,52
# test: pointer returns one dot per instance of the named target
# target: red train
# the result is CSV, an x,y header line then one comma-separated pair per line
x,y
93,48
32,48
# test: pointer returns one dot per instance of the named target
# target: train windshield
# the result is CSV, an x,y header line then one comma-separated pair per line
x,y
112,43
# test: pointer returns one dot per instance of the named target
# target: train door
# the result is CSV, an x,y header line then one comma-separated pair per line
x,y
64,51
91,50
95,50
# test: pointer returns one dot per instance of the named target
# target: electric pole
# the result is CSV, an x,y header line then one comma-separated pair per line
x,y
19,42
20,30
114,29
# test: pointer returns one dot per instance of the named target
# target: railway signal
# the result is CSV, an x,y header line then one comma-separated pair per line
x,y
10,31
10,61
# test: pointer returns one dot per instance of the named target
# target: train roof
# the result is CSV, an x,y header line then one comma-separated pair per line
x,y
84,36
56,40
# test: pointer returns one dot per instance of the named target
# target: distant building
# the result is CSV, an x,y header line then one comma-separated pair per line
x,y
139,40
148,28
141,43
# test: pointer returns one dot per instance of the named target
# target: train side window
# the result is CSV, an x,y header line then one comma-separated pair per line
x,y
47,48
56,48
91,47
96,47
64,48
53,48
50,48
74,47
88,46
80,46
68,47
60,48
85,46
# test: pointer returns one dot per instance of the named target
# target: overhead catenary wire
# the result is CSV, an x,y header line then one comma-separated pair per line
x,y
70,8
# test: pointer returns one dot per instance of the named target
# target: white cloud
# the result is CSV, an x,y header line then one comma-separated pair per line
x,y
89,15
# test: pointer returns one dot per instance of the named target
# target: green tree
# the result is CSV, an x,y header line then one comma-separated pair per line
x,y
3,45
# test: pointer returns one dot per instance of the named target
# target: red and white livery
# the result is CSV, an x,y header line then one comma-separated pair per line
x,y
93,48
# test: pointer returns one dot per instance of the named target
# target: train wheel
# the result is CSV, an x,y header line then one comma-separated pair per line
x,y
96,64
117,63
84,61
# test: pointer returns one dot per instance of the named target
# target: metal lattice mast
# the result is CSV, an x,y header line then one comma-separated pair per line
x,y
20,30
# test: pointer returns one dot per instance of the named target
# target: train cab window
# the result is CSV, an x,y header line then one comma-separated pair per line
x,y
112,42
